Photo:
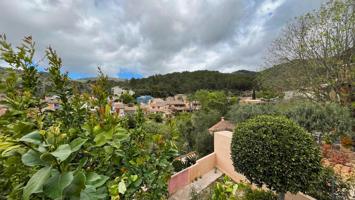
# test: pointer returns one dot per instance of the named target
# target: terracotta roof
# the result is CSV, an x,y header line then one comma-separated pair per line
x,y
222,125
175,102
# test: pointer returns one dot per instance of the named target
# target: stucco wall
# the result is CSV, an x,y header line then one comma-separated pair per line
x,y
202,166
222,142
178,181
188,175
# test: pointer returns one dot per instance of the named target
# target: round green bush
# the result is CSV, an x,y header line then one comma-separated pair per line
x,y
275,152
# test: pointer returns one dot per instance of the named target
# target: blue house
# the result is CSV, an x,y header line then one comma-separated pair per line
x,y
144,99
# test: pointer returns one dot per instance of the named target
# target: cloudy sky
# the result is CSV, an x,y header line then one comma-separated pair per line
x,y
145,37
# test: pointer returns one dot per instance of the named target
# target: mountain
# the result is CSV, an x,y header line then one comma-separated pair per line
x,y
84,80
189,82
169,84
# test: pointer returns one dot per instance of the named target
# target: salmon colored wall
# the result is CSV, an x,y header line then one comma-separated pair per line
x,y
188,175
202,166
222,142
178,181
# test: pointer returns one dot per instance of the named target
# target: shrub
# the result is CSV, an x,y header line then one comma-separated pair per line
x,y
346,141
276,152
258,194
329,186
241,113
330,120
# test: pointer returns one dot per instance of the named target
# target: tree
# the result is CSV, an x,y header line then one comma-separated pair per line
x,y
275,152
212,100
126,98
315,54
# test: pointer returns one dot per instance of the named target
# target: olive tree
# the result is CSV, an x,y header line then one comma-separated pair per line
x,y
317,52
275,152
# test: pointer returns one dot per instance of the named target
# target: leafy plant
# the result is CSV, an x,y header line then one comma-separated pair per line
x,y
275,152
329,186
71,152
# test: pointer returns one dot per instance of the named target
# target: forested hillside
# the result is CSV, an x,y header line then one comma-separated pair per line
x,y
169,84
188,82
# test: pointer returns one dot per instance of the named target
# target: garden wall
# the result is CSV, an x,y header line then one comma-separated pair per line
x,y
188,175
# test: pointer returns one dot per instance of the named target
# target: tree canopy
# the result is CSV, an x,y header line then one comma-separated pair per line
x,y
275,152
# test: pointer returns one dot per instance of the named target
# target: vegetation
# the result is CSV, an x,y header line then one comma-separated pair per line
x,y
283,157
74,153
315,54
193,127
329,186
225,189
330,121
126,98
189,82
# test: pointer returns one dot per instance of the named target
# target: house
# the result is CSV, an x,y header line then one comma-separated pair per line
x,y
177,106
53,102
250,100
222,125
130,109
118,107
180,97
117,91
144,99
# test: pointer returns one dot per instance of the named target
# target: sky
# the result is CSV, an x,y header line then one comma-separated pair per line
x,y
138,38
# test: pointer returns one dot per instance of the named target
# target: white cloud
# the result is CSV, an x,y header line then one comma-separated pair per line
x,y
152,36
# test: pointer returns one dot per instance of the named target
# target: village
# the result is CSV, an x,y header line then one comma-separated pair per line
x,y
177,100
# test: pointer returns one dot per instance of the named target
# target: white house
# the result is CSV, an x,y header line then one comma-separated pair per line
x,y
117,91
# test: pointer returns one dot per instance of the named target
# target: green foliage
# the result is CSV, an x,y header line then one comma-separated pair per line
x,y
268,94
240,113
190,82
72,153
329,186
258,194
126,98
216,100
315,54
226,189
329,119
276,152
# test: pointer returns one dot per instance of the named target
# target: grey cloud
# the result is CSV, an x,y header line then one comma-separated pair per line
x,y
152,36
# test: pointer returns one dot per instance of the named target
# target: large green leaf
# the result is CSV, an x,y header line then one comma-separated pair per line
x,y
96,180
120,133
76,186
62,152
33,137
100,139
77,143
55,185
91,193
36,182
32,158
